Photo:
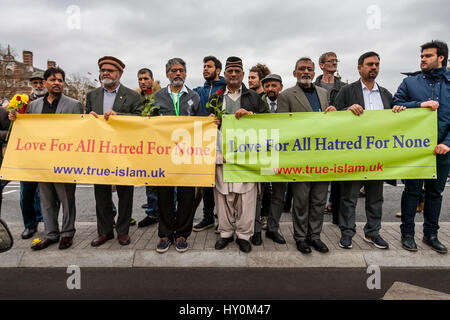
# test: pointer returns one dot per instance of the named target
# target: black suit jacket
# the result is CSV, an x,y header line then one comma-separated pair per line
x,y
352,94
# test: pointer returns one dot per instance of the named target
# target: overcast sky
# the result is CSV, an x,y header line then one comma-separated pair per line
x,y
277,33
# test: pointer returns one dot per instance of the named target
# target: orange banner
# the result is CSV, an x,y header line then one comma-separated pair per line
x,y
125,150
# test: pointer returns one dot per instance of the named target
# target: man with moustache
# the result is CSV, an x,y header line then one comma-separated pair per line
x,y
147,89
272,85
429,88
37,85
52,195
235,201
309,198
213,82
112,98
29,194
177,100
363,94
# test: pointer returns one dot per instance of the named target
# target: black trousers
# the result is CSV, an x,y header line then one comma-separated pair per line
x,y
335,198
104,208
208,203
173,225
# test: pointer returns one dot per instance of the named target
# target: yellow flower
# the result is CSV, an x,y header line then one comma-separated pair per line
x,y
24,98
13,103
36,241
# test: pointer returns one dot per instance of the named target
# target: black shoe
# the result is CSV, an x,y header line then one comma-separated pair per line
x,y
44,244
345,242
244,245
203,225
303,247
256,239
409,244
223,242
144,206
434,243
275,236
377,241
28,233
318,245
147,221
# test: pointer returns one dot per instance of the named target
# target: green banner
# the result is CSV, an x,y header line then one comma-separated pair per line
x,y
313,146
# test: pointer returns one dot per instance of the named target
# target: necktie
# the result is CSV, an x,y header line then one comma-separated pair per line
x,y
272,107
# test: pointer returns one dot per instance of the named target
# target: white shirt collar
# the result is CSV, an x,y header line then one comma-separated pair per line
x,y
270,101
364,87
238,91
183,90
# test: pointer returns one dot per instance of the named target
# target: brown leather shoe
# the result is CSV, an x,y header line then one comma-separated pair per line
x,y
124,239
420,206
44,244
101,239
65,242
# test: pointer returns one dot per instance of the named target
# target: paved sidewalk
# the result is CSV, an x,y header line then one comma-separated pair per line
x,y
141,252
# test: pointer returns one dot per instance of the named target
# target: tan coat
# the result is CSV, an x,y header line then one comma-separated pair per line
x,y
294,100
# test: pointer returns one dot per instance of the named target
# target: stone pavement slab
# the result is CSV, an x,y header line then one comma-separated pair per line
x,y
141,252
405,291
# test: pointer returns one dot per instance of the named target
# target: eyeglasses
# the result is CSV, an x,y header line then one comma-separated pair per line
x,y
108,70
333,61
305,68
174,70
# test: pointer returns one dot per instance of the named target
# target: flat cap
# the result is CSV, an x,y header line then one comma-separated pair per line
x,y
111,60
37,75
272,76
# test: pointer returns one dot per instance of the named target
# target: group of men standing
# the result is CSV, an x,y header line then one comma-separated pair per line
x,y
238,205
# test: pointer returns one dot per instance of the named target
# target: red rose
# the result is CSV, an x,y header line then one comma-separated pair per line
x,y
23,109
18,98
149,91
219,92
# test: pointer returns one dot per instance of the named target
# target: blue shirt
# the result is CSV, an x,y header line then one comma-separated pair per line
x,y
108,98
313,99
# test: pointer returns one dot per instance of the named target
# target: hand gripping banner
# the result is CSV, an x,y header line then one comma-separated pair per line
x,y
125,150
312,146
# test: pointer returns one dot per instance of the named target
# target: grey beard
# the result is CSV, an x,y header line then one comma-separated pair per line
x,y
177,83
109,83
40,92
305,81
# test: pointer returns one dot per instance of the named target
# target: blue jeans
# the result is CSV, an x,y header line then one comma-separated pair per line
x,y
30,204
433,200
152,200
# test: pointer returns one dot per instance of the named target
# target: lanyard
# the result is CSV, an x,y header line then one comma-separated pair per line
x,y
177,104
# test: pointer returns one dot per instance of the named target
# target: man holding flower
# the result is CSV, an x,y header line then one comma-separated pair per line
x,y
147,90
234,98
52,195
